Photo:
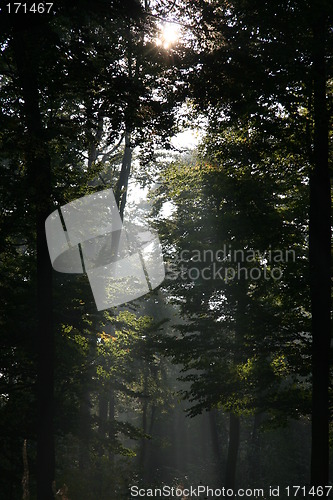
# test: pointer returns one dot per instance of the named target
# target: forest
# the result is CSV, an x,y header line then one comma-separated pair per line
x,y
201,129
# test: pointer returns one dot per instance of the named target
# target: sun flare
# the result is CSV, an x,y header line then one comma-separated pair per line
x,y
169,35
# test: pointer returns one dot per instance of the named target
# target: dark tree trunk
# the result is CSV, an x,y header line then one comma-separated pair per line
x,y
212,415
103,404
122,184
320,255
234,432
238,356
143,443
84,433
26,46
254,458
25,478
112,420
45,374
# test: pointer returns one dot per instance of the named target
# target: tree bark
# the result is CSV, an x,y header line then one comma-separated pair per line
x,y
320,263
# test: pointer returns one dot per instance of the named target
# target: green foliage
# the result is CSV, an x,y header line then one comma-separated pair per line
x,y
240,344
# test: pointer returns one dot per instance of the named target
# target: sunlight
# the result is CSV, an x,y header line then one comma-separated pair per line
x,y
169,35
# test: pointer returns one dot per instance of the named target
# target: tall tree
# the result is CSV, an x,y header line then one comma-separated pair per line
x,y
26,52
271,56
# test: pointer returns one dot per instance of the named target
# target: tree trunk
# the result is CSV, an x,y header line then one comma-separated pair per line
x,y
234,432
212,414
84,433
45,374
26,48
320,255
112,420
122,184
238,356
254,458
25,478
103,404
143,442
